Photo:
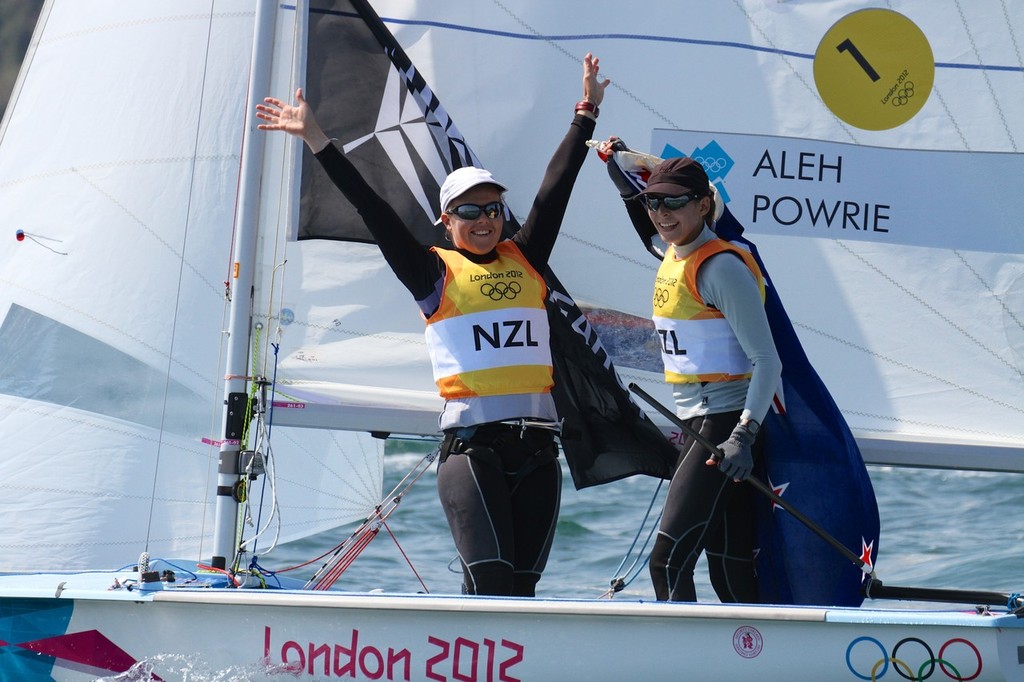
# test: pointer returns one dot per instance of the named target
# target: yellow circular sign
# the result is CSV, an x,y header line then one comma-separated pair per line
x,y
874,69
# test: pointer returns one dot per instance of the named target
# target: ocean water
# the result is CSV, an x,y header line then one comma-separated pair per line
x,y
939,529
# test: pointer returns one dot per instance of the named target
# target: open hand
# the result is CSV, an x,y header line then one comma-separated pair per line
x,y
296,119
593,89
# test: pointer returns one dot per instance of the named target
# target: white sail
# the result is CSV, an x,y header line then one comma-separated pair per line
x,y
113,302
119,164
921,346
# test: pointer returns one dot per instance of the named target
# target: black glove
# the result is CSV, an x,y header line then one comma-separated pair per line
x,y
737,460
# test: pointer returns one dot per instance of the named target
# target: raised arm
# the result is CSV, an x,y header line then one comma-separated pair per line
x,y
615,153
537,237
414,265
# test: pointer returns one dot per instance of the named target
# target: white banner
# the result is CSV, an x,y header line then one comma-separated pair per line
x,y
810,188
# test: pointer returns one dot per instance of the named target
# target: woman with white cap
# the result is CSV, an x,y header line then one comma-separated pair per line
x,y
483,302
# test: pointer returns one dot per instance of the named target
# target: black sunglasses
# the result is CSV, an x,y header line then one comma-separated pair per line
x,y
653,203
473,211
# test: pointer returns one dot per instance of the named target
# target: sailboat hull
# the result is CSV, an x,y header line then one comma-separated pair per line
x,y
73,627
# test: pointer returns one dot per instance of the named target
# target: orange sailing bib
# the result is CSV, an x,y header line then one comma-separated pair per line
x,y
697,343
490,334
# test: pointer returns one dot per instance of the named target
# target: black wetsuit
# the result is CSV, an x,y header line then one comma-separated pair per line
x,y
500,486
705,510
500,489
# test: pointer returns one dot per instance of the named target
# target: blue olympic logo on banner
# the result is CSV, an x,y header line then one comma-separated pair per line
x,y
913,659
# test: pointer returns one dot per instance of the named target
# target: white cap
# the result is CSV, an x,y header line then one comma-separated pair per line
x,y
461,180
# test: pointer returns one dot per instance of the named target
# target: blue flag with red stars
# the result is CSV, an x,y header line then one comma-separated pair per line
x,y
808,457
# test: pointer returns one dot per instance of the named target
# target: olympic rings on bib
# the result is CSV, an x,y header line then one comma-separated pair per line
x,y
500,290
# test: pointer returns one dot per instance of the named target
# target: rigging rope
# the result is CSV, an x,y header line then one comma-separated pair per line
x,y
345,553
621,580
405,556
264,427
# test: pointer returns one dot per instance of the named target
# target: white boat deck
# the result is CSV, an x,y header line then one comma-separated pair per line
x,y
101,586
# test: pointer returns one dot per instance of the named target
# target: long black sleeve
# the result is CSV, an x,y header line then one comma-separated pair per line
x,y
537,237
419,269
645,228
416,267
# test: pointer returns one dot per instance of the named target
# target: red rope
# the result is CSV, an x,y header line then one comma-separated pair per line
x,y
405,556
230,576
346,560
362,536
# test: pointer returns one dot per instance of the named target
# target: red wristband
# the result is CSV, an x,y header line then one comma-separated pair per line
x,y
588,106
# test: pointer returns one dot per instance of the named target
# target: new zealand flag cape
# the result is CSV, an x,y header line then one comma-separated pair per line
x,y
812,459
809,457
389,123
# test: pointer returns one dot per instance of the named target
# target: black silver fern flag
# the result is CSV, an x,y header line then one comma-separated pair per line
x,y
370,98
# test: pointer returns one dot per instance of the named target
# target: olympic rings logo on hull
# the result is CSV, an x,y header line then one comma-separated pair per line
x,y
914,659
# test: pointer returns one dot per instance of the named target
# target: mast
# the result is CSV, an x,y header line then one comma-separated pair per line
x,y
241,286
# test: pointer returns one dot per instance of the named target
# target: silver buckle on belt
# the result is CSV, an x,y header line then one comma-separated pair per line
x,y
543,424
